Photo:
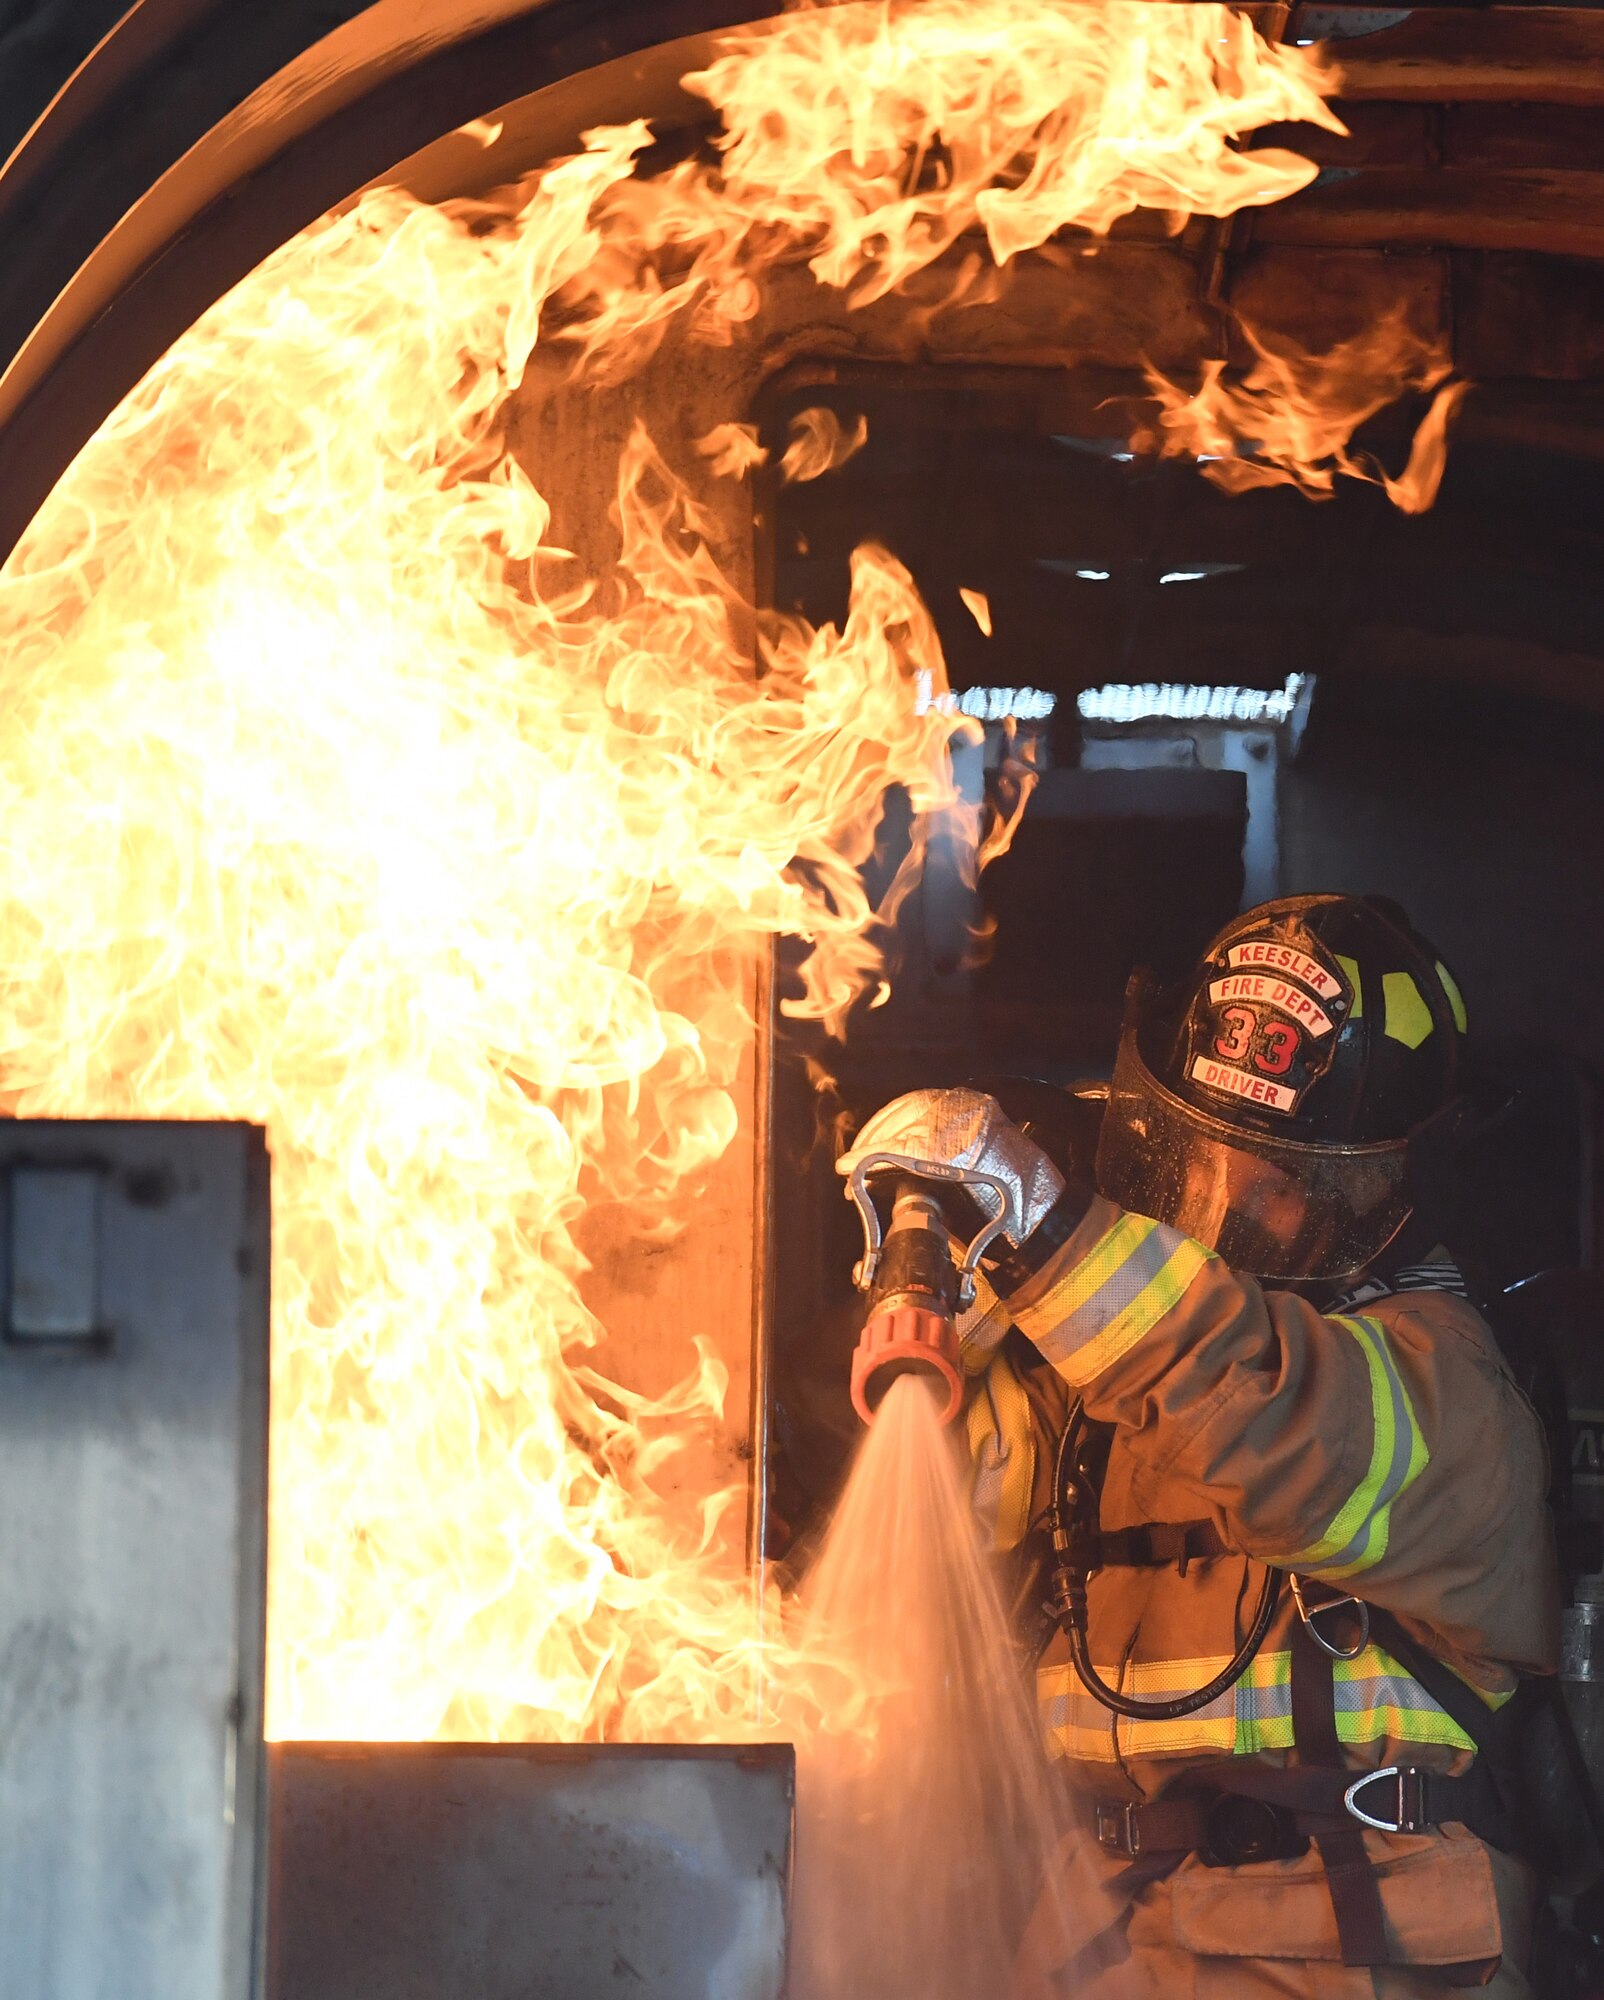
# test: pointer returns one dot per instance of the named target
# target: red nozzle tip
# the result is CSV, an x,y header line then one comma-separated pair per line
x,y
906,1340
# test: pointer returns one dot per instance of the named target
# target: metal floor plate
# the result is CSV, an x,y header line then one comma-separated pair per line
x,y
529,1872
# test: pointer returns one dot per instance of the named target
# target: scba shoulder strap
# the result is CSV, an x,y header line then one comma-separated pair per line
x,y
1355,1892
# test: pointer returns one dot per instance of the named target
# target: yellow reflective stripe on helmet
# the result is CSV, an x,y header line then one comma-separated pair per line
x,y
1002,1452
1357,1539
1376,1702
1097,1312
1406,1017
1456,999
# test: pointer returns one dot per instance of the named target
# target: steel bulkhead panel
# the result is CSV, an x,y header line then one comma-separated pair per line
x,y
529,1871
133,1488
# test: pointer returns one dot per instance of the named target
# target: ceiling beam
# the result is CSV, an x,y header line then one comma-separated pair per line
x,y
1562,137
1548,55
1463,208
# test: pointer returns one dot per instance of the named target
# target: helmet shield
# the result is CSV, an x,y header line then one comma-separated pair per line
x,y
1277,1208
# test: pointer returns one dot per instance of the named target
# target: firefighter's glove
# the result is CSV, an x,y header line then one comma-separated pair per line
x,y
965,1128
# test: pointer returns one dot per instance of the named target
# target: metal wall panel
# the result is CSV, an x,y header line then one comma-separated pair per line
x,y
133,1487
529,1872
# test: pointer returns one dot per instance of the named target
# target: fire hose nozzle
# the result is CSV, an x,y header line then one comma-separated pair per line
x,y
915,1285
907,1339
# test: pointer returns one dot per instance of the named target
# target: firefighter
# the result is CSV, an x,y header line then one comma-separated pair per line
x,y
1312,1484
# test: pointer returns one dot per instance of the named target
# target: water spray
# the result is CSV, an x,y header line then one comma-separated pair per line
x,y
917,1277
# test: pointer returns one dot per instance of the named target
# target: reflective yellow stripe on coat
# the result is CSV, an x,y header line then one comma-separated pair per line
x,y
1115,1295
1357,1536
1377,1701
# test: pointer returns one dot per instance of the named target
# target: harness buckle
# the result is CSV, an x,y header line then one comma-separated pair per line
x,y
1239,1830
1310,1615
1117,1829
1409,1797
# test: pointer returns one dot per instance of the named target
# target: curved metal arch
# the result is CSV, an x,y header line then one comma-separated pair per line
x,y
173,162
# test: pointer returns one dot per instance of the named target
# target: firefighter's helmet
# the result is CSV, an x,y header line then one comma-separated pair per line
x,y
1297,1100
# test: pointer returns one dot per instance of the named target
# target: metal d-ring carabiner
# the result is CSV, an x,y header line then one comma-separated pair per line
x,y
1335,1652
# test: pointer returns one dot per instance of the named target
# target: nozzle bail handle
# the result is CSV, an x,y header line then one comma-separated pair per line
x,y
929,1170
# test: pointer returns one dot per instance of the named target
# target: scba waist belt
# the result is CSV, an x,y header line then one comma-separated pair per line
x,y
1225,1830
1270,1815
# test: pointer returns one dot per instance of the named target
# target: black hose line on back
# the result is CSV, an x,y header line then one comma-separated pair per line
x,y
1075,1541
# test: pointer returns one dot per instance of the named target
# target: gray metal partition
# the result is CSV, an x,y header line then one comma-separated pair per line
x,y
453,1871
133,1486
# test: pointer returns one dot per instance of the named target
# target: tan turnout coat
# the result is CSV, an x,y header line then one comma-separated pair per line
x,y
1383,1449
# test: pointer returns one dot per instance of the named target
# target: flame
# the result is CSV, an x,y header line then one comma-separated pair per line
x,y
978,605
1290,421
334,795
732,450
884,134
820,443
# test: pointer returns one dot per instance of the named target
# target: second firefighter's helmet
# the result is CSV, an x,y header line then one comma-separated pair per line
x,y
1298,1099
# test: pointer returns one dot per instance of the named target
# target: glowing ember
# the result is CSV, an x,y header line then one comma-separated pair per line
x,y
332,796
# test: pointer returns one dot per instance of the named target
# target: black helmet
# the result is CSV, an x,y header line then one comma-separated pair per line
x,y
1300,1097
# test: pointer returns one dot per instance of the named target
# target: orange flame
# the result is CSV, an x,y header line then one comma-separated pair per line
x,y
819,443
883,134
330,798
731,450
978,605
1290,421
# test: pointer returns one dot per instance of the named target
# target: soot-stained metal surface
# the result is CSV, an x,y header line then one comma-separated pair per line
x,y
133,1491
529,1871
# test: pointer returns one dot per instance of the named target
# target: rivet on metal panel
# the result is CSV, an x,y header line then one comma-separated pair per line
x,y
53,1293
